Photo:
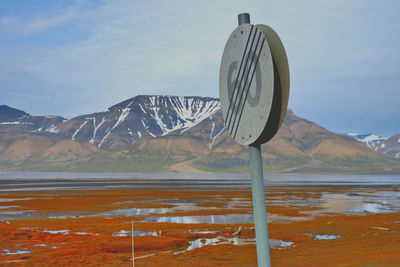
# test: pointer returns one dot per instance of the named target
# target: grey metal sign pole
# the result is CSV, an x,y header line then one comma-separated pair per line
x,y
257,184
259,207
254,92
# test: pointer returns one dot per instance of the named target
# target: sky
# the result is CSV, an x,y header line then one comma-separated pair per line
x,y
79,56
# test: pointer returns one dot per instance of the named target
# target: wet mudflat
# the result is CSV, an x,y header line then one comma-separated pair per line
x,y
326,226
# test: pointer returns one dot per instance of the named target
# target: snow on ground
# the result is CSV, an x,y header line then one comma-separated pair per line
x,y
17,252
326,237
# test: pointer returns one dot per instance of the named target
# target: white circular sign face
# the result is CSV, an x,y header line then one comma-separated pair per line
x,y
253,101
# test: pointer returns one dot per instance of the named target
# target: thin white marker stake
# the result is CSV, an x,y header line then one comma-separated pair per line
x,y
133,249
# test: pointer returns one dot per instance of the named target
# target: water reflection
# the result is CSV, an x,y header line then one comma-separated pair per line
x,y
358,202
212,219
347,201
131,212
134,212
223,219
123,233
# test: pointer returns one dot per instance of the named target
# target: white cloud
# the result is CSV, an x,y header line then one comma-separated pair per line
x,y
15,26
42,24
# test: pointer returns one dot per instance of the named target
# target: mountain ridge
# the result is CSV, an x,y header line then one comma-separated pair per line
x,y
174,131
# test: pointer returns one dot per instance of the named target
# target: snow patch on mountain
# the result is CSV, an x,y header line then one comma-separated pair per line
x,y
96,127
215,137
122,117
38,130
172,113
164,128
192,112
14,123
103,139
144,111
137,139
77,131
52,129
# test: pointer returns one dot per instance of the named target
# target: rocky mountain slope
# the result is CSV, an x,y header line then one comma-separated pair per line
x,y
122,125
170,133
16,121
371,140
388,146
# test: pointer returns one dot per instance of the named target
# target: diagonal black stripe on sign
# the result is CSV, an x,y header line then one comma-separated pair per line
x,y
234,108
248,89
237,76
248,70
235,89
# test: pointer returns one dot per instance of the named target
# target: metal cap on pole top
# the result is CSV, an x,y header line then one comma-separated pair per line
x,y
254,92
244,18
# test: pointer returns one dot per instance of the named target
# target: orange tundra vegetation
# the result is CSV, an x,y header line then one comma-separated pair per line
x,y
92,228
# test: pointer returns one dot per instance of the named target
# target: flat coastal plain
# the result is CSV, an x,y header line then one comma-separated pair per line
x,y
204,223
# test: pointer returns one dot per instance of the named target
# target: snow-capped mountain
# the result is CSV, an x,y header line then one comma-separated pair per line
x,y
123,124
146,117
371,140
176,133
389,146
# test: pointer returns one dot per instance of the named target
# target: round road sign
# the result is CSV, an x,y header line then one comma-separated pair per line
x,y
253,84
